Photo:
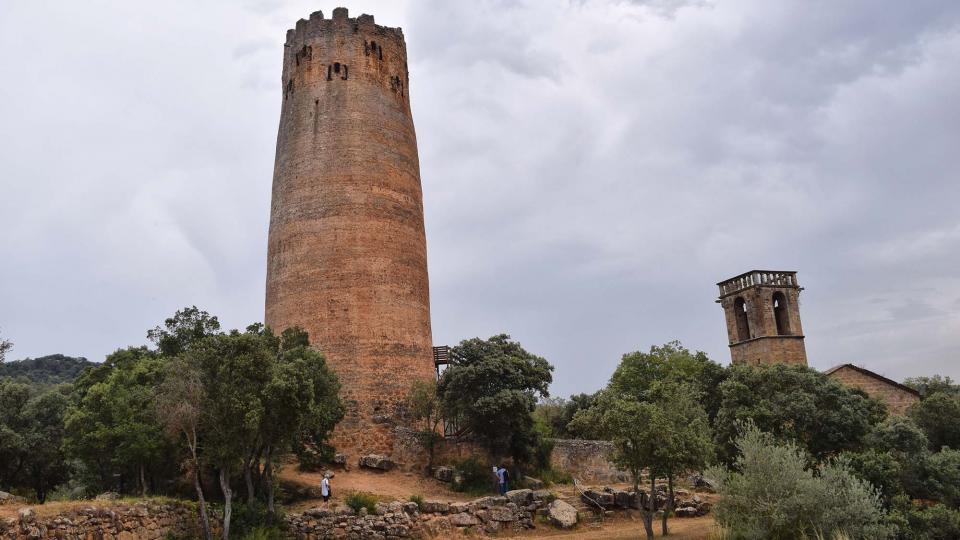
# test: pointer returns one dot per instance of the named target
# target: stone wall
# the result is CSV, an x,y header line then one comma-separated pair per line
x,y
587,461
347,253
487,515
117,522
896,398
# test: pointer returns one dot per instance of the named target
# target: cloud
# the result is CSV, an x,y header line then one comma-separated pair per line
x,y
590,170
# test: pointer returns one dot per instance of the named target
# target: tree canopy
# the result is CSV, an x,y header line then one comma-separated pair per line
x,y
797,403
45,370
491,388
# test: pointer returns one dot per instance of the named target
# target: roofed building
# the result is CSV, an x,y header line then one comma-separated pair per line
x,y
897,397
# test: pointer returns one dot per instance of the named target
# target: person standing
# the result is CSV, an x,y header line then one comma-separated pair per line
x,y
325,488
503,478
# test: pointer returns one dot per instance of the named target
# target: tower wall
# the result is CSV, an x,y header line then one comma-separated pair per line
x,y
759,340
347,257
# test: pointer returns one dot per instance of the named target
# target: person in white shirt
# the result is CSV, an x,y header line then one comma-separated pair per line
x,y
325,488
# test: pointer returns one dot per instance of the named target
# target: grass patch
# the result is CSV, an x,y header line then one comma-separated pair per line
x,y
361,499
418,500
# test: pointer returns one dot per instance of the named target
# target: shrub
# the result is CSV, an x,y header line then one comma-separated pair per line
x,y
263,533
252,520
472,476
773,495
360,500
552,476
936,522
418,499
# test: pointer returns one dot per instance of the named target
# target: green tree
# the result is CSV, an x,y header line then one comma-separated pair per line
x,y
770,493
112,426
424,406
794,402
672,361
659,427
5,346
179,403
943,477
48,370
928,386
31,438
187,326
937,416
491,388
553,416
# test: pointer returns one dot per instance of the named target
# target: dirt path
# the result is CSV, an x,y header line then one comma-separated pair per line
x,y
701,528
393,485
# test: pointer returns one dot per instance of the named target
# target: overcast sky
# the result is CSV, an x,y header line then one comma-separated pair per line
x,y
591,168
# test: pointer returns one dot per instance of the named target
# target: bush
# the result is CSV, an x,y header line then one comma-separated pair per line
x,y
360,500
472,476
552,476
418,499
774,496
251,522
263,533
936,522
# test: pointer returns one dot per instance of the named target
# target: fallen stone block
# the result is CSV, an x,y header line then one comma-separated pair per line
x,y
562,514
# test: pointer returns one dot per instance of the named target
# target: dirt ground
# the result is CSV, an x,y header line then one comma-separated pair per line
x,y
701,528
394,485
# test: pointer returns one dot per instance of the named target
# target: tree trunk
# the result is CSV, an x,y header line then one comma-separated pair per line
x,y
198,485
669,507
268,474
143,482
651,507
227,500
248,478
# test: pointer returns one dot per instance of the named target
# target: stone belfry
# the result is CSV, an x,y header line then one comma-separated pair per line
x,y
762,308
347,254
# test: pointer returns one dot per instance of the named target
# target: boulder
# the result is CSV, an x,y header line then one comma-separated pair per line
x,y
624,499
501,513
376,461
463,519
533,483
686,511
108,496
543,495
562,514
26,515
435,507
702,483
340,460
520,497
329,474
594,498
443,474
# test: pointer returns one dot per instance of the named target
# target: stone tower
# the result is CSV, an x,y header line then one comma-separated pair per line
x,y
763,317
347,254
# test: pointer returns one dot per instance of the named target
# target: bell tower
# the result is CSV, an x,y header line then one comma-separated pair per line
x,y
762,309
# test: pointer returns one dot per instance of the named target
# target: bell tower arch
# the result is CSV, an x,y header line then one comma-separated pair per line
x,y
762,309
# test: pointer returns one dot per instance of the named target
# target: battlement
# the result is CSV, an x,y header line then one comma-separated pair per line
x,y
316,25
756,278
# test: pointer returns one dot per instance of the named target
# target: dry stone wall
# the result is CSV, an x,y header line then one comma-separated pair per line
x,y
142,521
587,461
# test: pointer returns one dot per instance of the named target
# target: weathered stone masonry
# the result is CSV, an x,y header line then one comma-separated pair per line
x,y
897,397
347,256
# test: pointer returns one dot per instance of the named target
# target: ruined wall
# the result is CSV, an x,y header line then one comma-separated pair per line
x,y
141,521
587,461
896,399
347,256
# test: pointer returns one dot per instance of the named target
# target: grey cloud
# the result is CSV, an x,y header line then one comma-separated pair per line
x,y
590,170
